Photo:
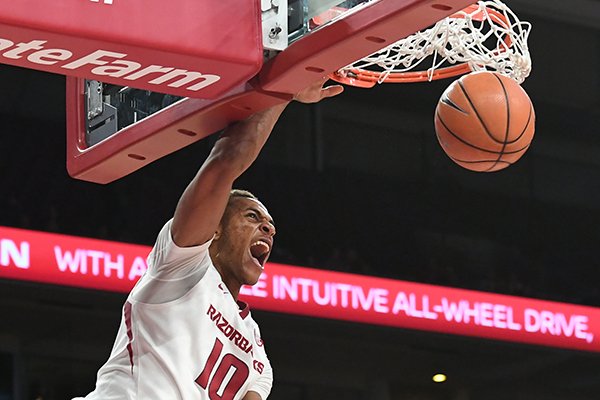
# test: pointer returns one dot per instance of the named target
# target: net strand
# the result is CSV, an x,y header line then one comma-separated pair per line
x,y
489,37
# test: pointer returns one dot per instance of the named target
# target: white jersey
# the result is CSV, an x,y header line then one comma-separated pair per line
x,y
183,336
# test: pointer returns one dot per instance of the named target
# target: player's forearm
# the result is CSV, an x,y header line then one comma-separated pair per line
x,y
240,144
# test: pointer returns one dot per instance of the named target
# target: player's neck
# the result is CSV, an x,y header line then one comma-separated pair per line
x,y
232,284
234,290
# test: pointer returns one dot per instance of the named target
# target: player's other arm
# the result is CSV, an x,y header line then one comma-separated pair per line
x,y
252,396
203,202
261,387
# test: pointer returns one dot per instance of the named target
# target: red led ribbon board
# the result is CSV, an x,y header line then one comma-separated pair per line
x,y
97,264
70,260
187,48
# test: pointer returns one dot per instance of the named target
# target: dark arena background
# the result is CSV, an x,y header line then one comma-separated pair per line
x,y
357,184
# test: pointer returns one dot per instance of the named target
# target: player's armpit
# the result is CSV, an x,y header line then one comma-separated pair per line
x,y
252,396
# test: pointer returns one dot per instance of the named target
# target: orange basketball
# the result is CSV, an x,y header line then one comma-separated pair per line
x,y
484,121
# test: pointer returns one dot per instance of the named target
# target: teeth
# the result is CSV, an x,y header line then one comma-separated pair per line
x,y
261,243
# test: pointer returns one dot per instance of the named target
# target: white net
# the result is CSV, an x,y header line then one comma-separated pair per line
x,y
485,36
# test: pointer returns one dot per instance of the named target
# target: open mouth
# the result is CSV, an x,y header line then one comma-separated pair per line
x,y
260,251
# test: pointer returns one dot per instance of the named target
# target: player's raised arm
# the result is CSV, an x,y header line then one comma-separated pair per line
x,y
203,202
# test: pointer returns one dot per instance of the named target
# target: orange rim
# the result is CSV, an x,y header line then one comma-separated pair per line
x,y
367,79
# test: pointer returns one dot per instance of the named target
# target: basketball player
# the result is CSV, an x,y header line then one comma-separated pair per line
x,y
183,334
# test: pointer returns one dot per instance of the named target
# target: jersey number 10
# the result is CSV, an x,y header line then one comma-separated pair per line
x,y
218,389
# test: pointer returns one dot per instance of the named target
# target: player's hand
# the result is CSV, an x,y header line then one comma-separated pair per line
x,y
316,92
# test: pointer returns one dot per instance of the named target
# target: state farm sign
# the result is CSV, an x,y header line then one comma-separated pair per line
x,y
103,64
183,49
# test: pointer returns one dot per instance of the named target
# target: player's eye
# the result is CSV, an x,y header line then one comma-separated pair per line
x,y
252,215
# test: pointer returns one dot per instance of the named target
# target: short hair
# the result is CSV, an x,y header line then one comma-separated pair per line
x,y
241,193
236,194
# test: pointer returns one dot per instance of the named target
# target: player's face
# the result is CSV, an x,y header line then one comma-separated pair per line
x,y
244,242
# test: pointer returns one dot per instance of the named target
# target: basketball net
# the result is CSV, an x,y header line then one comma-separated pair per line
x,y
484,36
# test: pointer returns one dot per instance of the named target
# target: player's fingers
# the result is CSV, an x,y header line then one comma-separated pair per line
x,y
331,91
319,83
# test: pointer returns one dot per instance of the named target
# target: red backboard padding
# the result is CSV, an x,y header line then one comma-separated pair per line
x,y
172,129
189,48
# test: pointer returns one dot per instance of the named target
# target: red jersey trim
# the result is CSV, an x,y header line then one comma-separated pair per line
x,y
127,314
244,309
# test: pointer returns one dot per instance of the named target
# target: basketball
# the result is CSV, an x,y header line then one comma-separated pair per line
x,y
484,121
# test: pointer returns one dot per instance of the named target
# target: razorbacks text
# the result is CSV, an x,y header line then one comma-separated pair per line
x,y
230,332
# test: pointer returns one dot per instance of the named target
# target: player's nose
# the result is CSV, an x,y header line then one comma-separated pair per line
x,y
268,228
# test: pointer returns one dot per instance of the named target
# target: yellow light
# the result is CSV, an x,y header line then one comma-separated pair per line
x,y
439,378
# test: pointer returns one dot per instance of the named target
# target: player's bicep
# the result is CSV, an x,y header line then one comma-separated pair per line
x,y
202,205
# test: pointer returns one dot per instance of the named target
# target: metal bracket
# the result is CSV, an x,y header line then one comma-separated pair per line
x,y
275,24
101,121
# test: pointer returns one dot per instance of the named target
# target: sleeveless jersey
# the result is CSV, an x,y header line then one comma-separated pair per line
x,y
183,336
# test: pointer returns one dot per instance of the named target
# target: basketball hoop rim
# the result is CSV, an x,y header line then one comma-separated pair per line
x,y
364,78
